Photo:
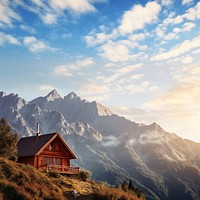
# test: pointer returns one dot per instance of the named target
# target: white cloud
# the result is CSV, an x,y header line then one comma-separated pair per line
x,y
170,20
167,2
68,69
49,18
85,62
27,28
151,137
193,13
182,48
7,15
118,73
49,13
134,88
184,2
187,60
52,10
178,19
121,51
140,87
66,35
94,38
196,51
115,52
92,90
176,30
38,2
136,76
161,29
98,38
143,48
188,26
178,108
111,141
7,38
128,68
35,45
138,37
63,70
185,95
109,65
138,17
78,6
125,80
170,36
46,88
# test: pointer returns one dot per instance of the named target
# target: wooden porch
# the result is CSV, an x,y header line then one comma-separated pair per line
x,y
61,169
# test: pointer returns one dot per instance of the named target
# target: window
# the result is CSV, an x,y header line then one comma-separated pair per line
x,y
58,161
44,161
51,161
51,146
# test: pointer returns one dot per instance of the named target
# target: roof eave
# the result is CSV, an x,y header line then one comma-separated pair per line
x,y
67,146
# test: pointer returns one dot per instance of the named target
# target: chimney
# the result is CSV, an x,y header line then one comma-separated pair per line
x,y
38,130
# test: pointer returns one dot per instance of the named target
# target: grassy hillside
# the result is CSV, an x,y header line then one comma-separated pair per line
x,y
21,182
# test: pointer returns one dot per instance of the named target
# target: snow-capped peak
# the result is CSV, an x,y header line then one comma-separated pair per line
x,y
2,94
13,100
72,95
53,95
103,111
155,126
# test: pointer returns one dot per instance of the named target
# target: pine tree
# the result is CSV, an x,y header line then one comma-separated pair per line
x,y
130,186
8,141
124,186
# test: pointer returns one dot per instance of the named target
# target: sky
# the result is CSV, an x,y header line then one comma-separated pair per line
x,y
139,58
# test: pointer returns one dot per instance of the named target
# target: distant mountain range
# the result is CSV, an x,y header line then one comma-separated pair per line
x,y
114,148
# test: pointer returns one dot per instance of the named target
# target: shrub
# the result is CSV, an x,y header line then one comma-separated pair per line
x,y
85,174
7,171
54,174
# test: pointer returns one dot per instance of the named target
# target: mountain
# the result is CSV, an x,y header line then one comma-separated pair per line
x,y
72,107
114,148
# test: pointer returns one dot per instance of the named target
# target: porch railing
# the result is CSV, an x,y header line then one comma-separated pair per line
x,y
61,169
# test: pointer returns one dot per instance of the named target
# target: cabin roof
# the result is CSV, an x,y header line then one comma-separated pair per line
x,y
33,145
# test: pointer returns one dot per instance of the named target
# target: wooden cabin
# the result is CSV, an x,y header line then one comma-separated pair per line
x,y
47,152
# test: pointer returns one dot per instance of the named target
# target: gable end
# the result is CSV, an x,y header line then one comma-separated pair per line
x,y
63,143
